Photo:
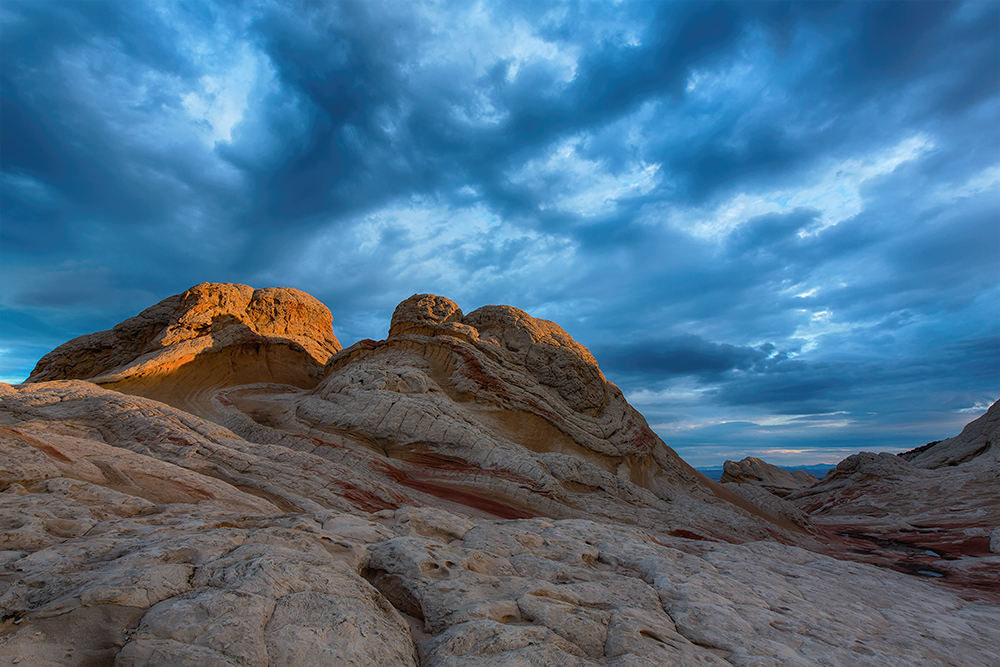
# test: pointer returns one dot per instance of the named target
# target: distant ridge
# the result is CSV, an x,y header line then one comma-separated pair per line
x,y
714,473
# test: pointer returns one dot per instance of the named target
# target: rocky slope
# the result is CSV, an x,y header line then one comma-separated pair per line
x,y
932,510
216,482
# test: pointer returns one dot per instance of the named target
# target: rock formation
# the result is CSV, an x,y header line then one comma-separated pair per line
x,y
217,482
213,335
931,510
761,473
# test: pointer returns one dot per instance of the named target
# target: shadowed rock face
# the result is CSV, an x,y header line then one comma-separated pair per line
x,y
216,482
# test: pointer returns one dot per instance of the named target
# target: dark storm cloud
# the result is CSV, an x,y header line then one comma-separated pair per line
x,y
684,355
759,213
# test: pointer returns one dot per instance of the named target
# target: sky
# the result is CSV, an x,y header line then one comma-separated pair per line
x,y
776,226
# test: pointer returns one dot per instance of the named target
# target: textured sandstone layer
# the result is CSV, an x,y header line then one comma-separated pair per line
x,y
94,573
196,487
495,412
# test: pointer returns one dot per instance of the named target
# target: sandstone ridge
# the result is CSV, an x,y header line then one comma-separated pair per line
x,y
761,473
212,335
932,510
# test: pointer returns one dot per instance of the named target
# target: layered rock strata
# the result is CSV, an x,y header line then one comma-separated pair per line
x,y
494,412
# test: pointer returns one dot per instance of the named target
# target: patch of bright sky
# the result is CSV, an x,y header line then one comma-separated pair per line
x,y
821,323
818,420
5,359
478,110
582,186
681,392
220,98
476,41
431,242
709,84
687,398
814,455
836,194
705,455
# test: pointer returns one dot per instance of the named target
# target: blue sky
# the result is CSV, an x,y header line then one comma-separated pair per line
x,y
777,226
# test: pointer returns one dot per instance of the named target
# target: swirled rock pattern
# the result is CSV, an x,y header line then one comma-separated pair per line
x,y
216,482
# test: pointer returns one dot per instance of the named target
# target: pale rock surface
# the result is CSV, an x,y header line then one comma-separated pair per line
x,y
497,412
469,491
769,503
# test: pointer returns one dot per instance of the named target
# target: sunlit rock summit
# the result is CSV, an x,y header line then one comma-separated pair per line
x,y
217,482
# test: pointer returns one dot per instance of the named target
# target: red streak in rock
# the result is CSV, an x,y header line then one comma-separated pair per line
x,y
453,494
318,442
474,370
544,412
53,452
366,500
453,464
688,535
468,499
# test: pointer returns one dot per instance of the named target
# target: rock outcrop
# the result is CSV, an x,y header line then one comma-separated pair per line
x,y
495,412
931,510
213,335
761,473
977,439
216,482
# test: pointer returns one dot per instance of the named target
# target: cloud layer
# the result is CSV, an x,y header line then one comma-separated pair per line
x,y
776,225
